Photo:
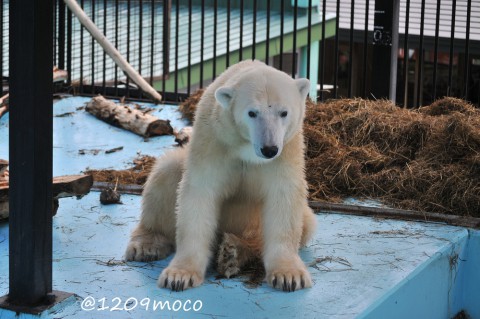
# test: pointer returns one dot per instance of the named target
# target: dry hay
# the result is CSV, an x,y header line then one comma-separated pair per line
x,y
187,108
135,175
426,159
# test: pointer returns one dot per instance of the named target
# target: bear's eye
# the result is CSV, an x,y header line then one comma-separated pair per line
x,y
252,114
284,114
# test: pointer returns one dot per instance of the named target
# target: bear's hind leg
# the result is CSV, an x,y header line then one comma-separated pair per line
x,y
309,225
154,236
234,253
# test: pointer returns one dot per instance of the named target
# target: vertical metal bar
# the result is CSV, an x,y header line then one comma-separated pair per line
x,y
189,69
214,65
365,48
322,51
30,135
140,40
55,34
309,37
337,29
215,18
227,60
467,50
152,38
177,18
69,47
104,71
1,46
282,26
350,53
202,38
167,8
421,57
61,35
254,28
267,45
450,58
116,45
81,51
294,49
92,47
127,91
435,58
406,55
241,31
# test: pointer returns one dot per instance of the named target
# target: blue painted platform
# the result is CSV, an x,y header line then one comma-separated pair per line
x,y
362,267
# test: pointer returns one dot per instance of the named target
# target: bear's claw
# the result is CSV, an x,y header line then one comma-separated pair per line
x,y
148,246
178,279
289,280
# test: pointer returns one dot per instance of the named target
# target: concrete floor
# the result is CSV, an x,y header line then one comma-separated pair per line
x,y
366,267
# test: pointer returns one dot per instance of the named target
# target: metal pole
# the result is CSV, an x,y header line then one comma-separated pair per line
x,y
385,49
61,35
31,127
31,144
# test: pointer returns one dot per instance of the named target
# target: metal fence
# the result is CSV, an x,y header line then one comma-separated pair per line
x,y
181,45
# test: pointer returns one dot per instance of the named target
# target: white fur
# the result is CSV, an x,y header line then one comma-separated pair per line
x,y
225,183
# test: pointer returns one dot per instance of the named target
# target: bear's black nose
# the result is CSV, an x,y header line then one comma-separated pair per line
x,y
269,151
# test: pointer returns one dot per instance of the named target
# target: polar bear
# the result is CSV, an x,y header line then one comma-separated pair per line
x,y
242,174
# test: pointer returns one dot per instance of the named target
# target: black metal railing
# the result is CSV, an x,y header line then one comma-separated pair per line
x,y
182,45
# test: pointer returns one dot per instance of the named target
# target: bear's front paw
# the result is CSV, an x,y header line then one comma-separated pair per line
x,y
179,279
148,248
289,278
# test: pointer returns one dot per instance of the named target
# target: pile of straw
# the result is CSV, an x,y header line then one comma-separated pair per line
x,y
426,159
135,175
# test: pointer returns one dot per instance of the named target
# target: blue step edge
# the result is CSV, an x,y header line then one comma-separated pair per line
x,y
426,293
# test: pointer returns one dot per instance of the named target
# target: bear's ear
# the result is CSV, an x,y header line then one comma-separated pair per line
x,y
224,96
303,86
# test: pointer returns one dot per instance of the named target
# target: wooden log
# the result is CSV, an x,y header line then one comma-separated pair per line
x,y
3,165
63,186
59,75
112,51
71,185
4,104
123,116
4,175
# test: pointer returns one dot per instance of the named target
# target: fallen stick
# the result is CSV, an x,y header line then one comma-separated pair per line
x,y
132,189
62,186
112,51
394,213
128,118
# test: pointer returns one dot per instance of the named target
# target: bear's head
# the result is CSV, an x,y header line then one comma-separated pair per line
x,y
267,107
